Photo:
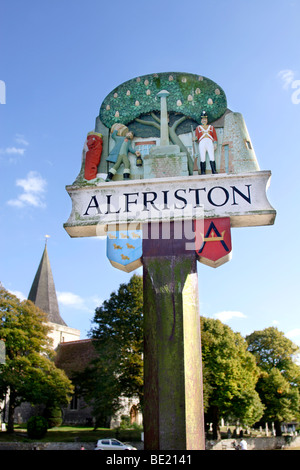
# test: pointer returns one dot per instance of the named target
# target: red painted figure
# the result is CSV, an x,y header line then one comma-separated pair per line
x,y
94,143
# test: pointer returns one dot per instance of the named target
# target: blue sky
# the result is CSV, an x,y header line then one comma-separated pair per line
x,y
59,60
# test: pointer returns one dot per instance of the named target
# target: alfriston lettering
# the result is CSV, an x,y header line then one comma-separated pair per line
x,y
179,199
91,206
236,190
197,196
165,193
108,205
146,201
225,195
127,201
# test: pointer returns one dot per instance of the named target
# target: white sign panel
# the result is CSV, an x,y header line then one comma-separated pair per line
x,y
241,197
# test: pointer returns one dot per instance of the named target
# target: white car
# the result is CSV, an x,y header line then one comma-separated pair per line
x,y
112,444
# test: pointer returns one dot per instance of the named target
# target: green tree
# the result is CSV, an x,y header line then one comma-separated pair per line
x,y
230,375
278,385
99,386
28,374
189,95
118,337
119,326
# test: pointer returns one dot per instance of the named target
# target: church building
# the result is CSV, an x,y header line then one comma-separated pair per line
x,y
43,295
72,354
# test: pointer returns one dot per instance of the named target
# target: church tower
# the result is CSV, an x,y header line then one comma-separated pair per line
x,y
43,295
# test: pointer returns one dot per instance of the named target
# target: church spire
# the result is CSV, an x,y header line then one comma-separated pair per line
x,y
43,293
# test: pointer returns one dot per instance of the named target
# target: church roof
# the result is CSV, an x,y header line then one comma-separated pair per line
x,y
43,293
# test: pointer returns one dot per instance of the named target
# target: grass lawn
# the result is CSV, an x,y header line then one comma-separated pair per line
x,y
73,434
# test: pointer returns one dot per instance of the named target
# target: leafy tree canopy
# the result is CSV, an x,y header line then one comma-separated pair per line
x,y
280,399
278,385
189,95
28,372
118,337
272,349
231,374
119,329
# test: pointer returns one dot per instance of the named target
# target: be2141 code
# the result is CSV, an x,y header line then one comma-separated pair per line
x,y
170,459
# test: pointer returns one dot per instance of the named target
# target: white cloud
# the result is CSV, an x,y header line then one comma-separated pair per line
x,y
33,183
21,139
226,316
75,301
96,300
12,151
18,294
295,333
70,299
287,77
34,187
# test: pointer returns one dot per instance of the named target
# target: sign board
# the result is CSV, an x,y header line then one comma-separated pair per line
x,y
166,174
241,197
166,148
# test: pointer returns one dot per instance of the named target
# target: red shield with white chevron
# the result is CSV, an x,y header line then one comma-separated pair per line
x,y
213,241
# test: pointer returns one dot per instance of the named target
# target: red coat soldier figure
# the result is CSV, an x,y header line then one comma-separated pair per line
x,y
207,138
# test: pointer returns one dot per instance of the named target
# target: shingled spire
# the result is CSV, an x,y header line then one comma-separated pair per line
x,y
43,293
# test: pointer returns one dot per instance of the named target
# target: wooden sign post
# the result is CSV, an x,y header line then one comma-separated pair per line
x,y
173,410
160,213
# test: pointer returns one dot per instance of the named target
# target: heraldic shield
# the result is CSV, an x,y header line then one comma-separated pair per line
x,y
124,249
213,241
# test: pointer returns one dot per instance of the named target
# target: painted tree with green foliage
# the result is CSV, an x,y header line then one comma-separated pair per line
x,y
136,101
279,381
230,376
28,373
189,95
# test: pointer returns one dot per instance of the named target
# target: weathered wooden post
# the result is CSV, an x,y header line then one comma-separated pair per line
x,y
166,219
173,415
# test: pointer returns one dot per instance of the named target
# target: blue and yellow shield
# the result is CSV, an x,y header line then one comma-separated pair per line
x,y
124,249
